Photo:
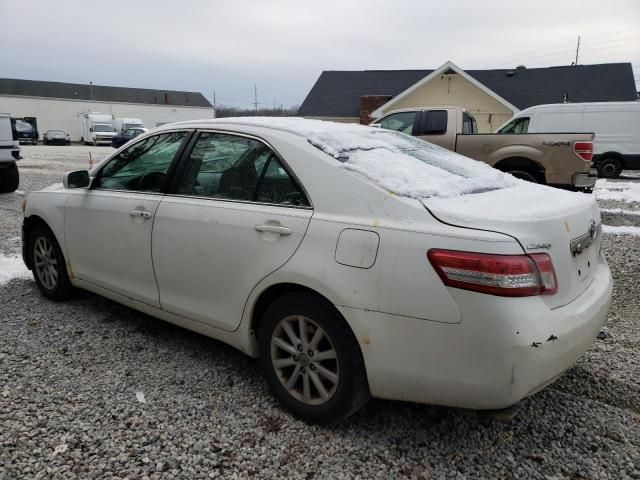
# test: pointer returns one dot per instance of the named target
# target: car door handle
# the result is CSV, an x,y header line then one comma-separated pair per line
x,y
280,230
140,213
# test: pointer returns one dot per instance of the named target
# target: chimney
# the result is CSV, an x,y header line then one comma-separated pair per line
x,y
370,103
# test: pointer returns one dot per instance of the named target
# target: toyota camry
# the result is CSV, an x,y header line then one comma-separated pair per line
x,y
351,261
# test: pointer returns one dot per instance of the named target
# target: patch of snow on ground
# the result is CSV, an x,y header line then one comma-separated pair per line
x,y
621,191
620,211
394,161
12,267
621,230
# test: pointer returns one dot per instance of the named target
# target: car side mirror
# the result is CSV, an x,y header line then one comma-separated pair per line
x,y
77,179
91,129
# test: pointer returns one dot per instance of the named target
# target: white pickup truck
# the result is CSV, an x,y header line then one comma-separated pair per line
x,y
9,154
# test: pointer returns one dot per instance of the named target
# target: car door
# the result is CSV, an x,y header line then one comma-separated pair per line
x,y
236,215
108,227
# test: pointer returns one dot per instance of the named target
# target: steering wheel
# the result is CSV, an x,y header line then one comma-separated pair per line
x,y
151,181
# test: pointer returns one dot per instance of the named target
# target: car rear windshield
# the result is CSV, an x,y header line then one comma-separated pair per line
x,y
409,166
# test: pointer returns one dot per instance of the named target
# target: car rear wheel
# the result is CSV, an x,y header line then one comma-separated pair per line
x,y
48,264
311,359
609,168
9,178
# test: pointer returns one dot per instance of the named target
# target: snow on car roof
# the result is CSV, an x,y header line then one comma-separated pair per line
x,y
395,161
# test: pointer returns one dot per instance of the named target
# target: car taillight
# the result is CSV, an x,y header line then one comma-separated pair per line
x,y
584,150
502,275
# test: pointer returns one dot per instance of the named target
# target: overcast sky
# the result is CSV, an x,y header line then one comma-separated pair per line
x,y
282,46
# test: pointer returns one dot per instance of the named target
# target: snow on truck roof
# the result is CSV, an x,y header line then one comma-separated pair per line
x,y
394,161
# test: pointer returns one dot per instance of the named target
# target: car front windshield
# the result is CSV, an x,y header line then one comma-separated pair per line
x,y
55,132
103,128
23,127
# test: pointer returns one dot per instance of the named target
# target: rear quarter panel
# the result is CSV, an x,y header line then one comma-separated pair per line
x,y
552,151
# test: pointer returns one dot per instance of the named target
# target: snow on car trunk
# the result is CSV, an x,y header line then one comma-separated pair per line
x,y
543,220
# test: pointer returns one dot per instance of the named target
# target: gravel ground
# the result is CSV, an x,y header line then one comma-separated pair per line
x,y
91,389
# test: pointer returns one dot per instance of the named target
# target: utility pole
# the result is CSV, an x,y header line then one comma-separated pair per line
x,y
577,51
214,104
255,96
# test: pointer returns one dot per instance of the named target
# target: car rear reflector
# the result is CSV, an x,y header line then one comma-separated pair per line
x,y
502,275
584,150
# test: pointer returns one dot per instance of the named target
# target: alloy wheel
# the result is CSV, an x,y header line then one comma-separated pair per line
x,y
305,360
45,262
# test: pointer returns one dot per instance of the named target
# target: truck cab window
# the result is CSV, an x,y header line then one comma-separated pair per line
x,y
434,122
469,125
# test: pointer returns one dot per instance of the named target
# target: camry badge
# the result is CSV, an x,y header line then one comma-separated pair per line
x,y
537,246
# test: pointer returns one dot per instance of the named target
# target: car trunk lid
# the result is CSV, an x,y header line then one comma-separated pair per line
x,y
563,224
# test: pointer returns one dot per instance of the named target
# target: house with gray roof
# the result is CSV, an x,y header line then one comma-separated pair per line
x,y
491,96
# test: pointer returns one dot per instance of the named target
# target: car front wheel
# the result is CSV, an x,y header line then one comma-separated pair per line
x,y
311,359
48,265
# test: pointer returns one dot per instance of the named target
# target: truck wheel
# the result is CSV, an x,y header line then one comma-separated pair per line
x,y
35,141
524,175
311,359
9,178
609,168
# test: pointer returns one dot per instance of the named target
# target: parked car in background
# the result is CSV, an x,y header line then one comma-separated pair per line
x,y
56,137
122,124
352,261
96,128
118,140
26,132
616,125
9,154
556,159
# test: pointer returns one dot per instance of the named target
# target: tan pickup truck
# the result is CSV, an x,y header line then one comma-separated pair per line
x,y
558,159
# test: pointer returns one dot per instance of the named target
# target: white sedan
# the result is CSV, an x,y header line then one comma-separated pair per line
x,y
352,261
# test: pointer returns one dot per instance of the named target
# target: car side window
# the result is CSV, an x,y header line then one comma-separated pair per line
x,y
277,186
434,122
232,167
143,166
519,125
400,122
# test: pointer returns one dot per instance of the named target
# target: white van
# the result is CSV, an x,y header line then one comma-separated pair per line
x,y
96,128
122,124
9,154
616,125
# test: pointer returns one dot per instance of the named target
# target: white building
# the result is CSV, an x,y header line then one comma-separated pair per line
x,y
57,105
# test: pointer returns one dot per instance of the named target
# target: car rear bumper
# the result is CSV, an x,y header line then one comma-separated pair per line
x,y
584,181
504,350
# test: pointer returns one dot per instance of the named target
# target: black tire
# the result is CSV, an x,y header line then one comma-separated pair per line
x,y
609,168
61,288
9,178
524,175
35,141
351,391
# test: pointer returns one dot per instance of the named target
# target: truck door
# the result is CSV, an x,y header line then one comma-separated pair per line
x,y
434,126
